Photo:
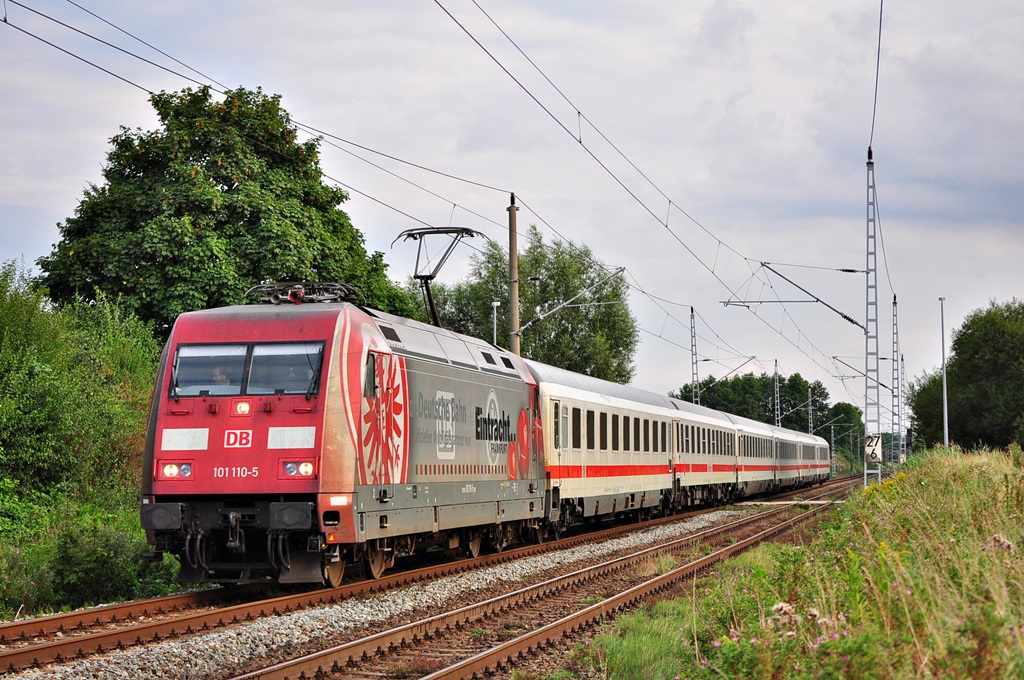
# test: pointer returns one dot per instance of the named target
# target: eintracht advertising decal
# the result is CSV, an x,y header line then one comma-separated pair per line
x,y
494,429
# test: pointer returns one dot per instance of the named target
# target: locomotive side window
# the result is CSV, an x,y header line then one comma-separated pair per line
x,y
370,379
209,369
285,368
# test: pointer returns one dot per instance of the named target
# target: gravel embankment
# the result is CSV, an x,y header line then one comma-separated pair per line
x,y
203,656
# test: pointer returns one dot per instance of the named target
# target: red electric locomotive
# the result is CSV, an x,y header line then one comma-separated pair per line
x,y
286,440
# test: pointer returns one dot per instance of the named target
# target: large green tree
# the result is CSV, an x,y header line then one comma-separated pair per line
x,y
223,196
984,381
595,335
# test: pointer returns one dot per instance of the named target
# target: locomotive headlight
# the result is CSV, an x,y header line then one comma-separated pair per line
x,y
179,470
297,469
242,408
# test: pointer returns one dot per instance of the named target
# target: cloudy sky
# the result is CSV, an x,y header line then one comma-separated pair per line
x,y
688,142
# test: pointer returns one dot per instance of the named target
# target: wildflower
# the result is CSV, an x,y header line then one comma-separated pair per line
x,y
784,615
716,643
1002,543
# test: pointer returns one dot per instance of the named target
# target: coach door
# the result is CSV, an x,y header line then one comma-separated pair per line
x,y
557,442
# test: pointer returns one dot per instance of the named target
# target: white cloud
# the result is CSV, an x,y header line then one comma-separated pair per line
x,y
753,117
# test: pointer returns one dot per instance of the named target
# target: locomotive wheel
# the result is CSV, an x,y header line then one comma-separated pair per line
x,y
333,572
474,543
375,561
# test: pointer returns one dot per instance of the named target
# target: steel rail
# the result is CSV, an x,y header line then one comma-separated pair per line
x,y
338,657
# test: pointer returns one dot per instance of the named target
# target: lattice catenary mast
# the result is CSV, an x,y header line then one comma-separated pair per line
x,y
872,425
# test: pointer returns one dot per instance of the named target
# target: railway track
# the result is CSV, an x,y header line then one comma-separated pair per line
x,y
489,636
46,640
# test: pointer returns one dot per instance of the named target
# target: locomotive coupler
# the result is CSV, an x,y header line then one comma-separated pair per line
x,y
236,537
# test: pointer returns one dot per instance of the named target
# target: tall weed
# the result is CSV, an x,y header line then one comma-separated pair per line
x,y
918,576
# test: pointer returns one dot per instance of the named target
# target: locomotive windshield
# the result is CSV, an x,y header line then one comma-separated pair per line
x,y
231,370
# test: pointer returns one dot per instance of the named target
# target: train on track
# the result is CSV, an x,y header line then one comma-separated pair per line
x,y
290,438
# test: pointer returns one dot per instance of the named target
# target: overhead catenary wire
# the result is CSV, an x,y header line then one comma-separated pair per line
x,y
394,158
632,194
311,130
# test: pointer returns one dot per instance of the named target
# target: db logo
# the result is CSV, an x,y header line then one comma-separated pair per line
x,y
237,439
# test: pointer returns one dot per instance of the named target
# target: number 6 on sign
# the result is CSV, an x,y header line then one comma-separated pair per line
x,y
873,448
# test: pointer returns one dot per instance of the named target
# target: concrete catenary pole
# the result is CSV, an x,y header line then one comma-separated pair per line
x,y
513,284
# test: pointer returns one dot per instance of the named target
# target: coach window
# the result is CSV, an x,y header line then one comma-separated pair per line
x,y
654,443
647,435
615,432
577,428
602,434
565,426
636,435
664,437
590,430
625,433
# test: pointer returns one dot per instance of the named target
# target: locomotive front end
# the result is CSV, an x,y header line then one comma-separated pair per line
x,y
234,455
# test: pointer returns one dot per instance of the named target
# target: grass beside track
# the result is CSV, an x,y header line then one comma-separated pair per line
x,y
919,576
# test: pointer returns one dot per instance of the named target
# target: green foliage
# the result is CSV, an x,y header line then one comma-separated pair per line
x,y
596,336
75,553
101,560
222,197
753,397
75,385
984,382
74,390
918,576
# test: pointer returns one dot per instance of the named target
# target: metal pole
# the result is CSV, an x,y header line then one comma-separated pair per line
x,y
945,403
513,286
810,413
494,320
778,406
695,392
